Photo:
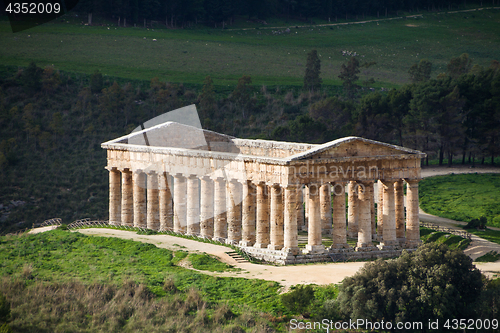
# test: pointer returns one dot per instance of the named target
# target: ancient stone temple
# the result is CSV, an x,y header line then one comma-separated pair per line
x,y
260,195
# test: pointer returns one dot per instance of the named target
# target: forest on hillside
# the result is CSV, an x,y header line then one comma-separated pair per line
x,y
52,165
181,13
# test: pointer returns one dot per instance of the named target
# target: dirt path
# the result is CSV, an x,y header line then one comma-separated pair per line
x,y
286,275
431,171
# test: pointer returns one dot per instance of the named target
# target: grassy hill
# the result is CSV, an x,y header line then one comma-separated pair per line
x,y
188,55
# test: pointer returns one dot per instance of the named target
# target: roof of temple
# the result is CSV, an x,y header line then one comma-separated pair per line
x,y
174,136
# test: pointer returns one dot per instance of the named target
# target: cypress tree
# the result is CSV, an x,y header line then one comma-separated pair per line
x,y
312,81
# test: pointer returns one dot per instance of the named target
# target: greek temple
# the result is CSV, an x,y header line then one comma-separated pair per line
x,y
267,197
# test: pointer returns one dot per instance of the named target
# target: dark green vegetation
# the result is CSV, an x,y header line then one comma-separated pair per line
x,y
462,197
223,12
54,118
206,262
491,256
431,283
51,163
438,237
189,55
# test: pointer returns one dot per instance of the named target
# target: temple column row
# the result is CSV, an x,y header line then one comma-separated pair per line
x,y
361,217
246,214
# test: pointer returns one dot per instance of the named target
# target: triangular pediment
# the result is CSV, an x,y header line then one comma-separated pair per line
x,y
353,147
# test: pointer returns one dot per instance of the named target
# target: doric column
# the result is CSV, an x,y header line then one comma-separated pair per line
x,y
276,218
166,205
127,199
220,214
248,214
300,208
306,205
291,243
365,190
352,209
400,210
193,206
153,214
139,179
180,192
262,228
412,218
380,210
207,207
325,202
115,197
389,237
372,214
233,203
339,220
314,244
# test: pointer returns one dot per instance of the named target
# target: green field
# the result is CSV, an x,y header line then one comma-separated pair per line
x,y
462,197
61,281
188,55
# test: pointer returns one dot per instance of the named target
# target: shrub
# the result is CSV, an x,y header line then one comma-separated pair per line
x,y
477,223
299,299
434,282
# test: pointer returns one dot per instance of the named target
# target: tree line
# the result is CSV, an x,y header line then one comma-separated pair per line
x,y
53,123
455,114
181,13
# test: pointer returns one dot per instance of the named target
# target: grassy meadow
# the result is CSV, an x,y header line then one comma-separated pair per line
x,y
462,197
188,55
61,281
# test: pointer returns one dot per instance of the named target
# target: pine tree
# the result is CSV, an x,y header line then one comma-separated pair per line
x,y
241,94
96,82
208,104
420,72
349,75
459,65
312,81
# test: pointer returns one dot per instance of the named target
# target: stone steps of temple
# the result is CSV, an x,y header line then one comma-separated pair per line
x,y
236,257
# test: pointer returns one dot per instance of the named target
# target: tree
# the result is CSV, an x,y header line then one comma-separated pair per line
x,y
312,81
399,104
111,103
96,82
372,116
50,79
335,114
241,94
420,72
434,282
458,66
208,104
349,75
31,78
299,299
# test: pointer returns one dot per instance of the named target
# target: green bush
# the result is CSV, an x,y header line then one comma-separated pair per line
x,y
477,223
491,256
207,263
433,282
299,299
